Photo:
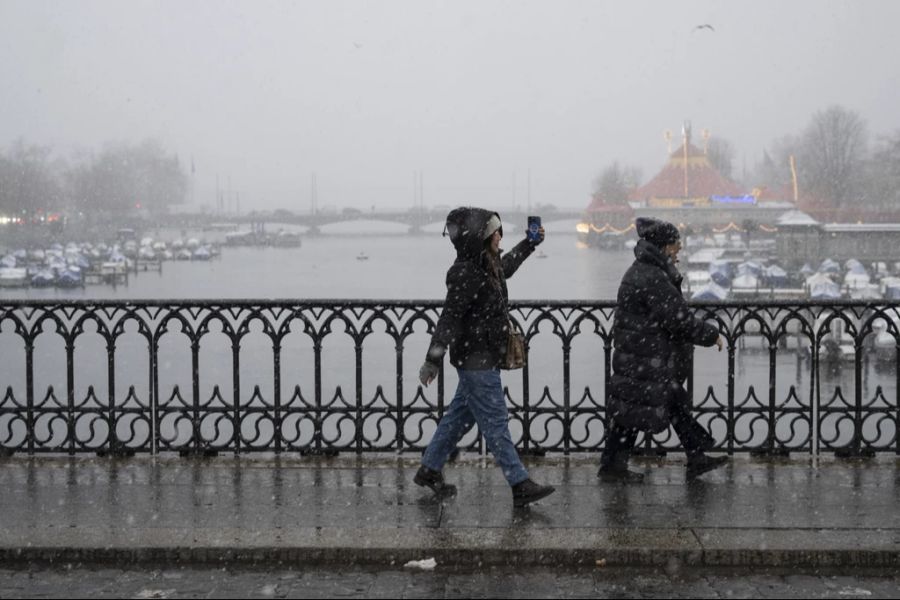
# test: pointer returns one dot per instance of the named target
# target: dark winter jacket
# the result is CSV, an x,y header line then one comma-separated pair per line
x,y
653,333
474,323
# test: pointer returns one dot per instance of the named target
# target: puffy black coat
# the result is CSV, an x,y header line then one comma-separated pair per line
x,y
653,333
474,324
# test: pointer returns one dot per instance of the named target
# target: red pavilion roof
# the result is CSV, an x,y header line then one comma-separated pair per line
x,y
703,180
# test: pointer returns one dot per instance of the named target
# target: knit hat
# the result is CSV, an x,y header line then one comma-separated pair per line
x,y
659,233
493,225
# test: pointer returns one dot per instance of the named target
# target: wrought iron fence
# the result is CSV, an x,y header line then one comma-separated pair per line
x,y
341,376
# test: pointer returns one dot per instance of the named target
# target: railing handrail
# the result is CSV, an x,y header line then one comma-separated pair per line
x,y
111,417
605,303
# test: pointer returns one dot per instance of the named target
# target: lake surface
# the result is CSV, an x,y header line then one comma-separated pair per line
x,y
396,267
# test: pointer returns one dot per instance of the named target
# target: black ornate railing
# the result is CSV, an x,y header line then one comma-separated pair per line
x,y
341,376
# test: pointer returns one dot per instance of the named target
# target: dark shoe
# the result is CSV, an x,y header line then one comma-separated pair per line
x,y
701,463
608,475
707,443
529,491
434,480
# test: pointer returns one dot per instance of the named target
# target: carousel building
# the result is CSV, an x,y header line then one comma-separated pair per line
x,y
690,192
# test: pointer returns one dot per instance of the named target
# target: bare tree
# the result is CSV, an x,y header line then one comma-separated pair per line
x,y
29,180
883,174
720,154
832,155
773,171
615,182
124,178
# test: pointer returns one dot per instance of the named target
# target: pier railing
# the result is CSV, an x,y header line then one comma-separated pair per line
x,y
331,376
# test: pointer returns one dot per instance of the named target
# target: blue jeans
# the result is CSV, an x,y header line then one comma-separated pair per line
x,y
479,399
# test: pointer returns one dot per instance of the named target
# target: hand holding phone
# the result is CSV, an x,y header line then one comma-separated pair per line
x,y
534,230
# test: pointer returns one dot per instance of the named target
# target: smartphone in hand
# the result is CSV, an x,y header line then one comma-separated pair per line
x,y
534,226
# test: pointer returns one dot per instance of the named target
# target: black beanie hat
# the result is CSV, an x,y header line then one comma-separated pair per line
x,y
659,233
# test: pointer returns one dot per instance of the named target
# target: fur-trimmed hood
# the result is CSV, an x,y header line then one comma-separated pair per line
x,y
466,227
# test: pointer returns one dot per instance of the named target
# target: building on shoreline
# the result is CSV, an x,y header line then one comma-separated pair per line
x,y
690,192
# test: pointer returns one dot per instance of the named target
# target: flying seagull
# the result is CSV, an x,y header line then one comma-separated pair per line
x,y
704,26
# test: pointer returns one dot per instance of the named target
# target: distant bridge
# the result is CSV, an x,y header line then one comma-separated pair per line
x,y
416,219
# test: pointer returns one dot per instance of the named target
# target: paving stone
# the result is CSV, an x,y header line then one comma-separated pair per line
x,y
350,511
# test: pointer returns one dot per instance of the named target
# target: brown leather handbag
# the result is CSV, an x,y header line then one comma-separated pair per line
x,y
515,349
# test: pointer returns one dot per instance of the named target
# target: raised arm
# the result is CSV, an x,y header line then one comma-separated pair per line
x,y
513,259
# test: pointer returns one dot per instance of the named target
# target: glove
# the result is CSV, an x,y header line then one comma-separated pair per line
x,y
428,372
537,242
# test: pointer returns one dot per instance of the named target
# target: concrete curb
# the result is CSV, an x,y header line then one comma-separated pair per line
x,y
483,547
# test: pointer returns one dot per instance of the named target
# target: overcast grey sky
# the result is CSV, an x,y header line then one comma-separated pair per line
x,y
474,94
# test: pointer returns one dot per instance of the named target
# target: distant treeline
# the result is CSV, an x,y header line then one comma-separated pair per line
x,y
120,179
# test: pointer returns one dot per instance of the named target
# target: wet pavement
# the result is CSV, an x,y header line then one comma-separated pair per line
x,y
68,581
290,511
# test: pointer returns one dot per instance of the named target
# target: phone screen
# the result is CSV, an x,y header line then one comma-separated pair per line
x,y
534,226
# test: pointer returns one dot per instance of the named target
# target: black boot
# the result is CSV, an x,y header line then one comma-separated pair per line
x,y
614,459
434,480
698,464
529,491
614,463
610,474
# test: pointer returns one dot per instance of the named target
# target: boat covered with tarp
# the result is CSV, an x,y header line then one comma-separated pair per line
x,y
710,293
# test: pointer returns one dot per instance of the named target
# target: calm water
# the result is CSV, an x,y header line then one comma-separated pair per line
x,y
397,267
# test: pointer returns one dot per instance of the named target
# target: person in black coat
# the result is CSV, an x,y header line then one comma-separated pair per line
x,y
474,325
653,333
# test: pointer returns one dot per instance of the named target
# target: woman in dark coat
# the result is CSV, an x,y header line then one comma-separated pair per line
x,y
474,325
653,333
